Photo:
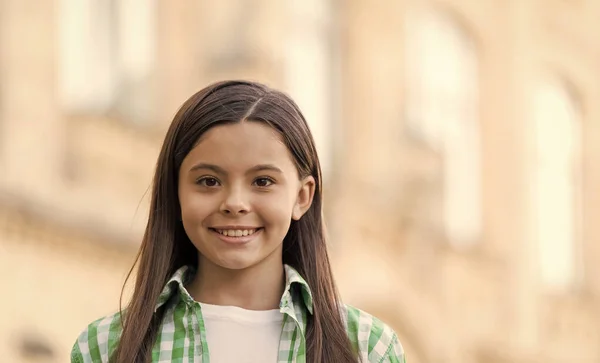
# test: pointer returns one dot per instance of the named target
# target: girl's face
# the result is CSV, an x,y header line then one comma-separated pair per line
x,y
238,191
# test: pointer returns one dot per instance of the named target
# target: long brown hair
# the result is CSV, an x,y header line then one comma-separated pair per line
x,y
165,246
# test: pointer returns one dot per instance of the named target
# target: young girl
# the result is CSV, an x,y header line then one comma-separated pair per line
x,y
233,265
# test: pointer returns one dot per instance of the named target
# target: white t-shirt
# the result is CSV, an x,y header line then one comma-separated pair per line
x,y
238,335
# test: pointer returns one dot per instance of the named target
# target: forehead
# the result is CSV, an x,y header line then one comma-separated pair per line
x,y
241,145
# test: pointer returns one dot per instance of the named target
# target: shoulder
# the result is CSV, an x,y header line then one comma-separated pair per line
x,y
98,340
374,340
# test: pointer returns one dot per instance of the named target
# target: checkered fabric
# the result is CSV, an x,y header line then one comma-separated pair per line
x,y
182,335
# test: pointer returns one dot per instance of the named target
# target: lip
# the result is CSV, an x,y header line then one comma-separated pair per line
x,y
242,240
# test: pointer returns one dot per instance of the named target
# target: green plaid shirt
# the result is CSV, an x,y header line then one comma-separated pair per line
x,y
182,337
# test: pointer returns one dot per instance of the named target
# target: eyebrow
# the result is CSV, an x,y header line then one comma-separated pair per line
x,y
217,169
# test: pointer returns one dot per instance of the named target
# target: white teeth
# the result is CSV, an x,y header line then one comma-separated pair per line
x,y
236,233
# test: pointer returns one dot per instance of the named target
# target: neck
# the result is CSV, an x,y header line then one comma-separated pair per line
x,y
254,288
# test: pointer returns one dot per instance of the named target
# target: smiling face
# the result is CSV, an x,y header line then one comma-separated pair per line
x,y
239,190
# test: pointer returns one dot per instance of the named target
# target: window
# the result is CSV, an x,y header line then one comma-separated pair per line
x,y
442,113
307,75
557,185
107,57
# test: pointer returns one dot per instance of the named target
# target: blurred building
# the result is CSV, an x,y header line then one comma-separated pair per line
x,y
460,142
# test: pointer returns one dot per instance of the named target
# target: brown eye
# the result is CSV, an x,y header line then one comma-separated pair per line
x,y
208,182
263,182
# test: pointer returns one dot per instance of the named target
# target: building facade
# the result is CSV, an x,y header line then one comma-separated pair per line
x,y
460,144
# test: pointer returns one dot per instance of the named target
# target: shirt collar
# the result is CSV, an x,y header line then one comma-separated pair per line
x,y
176,283
293,278
289,298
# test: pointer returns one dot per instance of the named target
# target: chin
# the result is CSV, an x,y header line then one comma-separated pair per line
x,y
235,263
241,260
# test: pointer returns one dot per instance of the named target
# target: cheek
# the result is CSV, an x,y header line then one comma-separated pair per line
x,y
275,211
194,207
194,212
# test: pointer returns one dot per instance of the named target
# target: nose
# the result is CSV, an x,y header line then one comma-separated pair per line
x,y
235,202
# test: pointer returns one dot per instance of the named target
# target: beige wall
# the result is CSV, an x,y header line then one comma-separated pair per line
x,y
55,281
484,303
73,187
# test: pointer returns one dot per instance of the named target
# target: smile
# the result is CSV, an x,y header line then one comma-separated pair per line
x,y
236,232
236,235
